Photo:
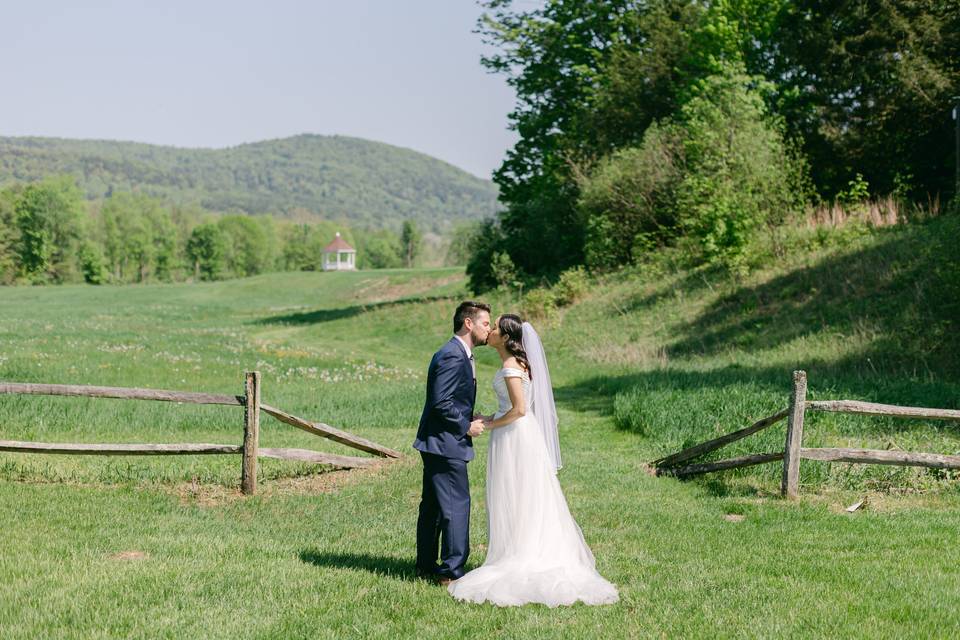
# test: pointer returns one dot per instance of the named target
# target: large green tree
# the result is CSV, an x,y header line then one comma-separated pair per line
x,y
552,57
47,217
248,247
867,86
206,249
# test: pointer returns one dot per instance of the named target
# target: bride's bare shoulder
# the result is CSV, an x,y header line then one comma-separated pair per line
x,y
511,363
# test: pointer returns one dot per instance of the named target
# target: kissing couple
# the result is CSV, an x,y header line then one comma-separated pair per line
x,y
536,552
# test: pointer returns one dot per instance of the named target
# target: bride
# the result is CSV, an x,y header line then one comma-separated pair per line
x,y
536,552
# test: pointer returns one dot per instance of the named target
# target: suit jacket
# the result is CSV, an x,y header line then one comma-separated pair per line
x,y
448,410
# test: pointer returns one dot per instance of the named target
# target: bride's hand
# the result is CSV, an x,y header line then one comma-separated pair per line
x,y
476,429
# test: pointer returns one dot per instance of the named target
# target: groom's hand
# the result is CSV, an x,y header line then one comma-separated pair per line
x,y
476,428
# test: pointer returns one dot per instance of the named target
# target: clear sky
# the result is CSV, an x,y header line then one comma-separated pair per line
x,y
213,73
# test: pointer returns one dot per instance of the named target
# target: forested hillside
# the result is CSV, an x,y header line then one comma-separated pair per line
x,y
371,184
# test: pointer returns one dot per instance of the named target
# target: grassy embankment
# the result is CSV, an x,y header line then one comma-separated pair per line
x,y
648,362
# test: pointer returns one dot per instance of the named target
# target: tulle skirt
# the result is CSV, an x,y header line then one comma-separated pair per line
x,y
536,551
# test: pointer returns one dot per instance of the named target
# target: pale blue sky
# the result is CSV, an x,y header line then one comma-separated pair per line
x,y
211,73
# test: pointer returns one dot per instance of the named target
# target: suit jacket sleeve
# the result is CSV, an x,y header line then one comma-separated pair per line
x,y
447,378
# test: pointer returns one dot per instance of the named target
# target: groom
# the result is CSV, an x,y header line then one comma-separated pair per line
x,y
445,442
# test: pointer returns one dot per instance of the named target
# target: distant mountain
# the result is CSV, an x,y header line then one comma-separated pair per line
x,y
368,183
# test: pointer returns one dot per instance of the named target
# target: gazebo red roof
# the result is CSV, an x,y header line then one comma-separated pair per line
x,y
338,244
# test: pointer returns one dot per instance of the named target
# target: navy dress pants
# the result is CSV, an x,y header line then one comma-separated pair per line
x,y
444,519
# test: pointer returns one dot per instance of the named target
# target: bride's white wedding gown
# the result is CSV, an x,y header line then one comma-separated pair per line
x,y
536,551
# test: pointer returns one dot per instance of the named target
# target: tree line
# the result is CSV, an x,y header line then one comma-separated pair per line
x,y
706,126
49,233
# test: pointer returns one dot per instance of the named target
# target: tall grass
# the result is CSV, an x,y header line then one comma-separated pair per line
x,y
880,212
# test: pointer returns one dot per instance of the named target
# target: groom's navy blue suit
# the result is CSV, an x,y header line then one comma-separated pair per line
x,y
446,449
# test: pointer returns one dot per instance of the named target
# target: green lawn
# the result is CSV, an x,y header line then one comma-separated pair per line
x,y
330,554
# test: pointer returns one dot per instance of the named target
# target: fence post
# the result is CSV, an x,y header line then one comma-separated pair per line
x,y
251,433
791,450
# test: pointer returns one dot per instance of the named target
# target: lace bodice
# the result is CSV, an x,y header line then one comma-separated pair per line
x,y
500,387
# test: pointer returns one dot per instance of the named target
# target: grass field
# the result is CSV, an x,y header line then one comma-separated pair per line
x,y
137,547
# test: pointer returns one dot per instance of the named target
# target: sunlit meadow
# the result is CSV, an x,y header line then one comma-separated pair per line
x,y
99,547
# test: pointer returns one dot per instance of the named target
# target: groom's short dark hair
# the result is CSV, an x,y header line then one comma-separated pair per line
x,y
468,309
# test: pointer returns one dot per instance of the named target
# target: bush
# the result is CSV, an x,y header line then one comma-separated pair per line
x,y
539,304
572,286
631,195
543,302
856,193
718,174
738,175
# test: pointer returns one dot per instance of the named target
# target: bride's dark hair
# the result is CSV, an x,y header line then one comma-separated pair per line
x,y
511,328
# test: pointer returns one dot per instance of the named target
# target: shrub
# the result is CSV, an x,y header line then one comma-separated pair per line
x,y
572,286
737,171
856,193
539,304
717,174
631,195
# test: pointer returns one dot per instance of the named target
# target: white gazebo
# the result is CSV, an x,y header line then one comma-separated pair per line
x,y
339,256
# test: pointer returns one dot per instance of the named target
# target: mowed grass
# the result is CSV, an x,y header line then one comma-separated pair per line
x,y
138,547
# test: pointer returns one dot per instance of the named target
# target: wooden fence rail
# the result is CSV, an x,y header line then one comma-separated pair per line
x,y
874,409
720,465
100,449
123,393
250,449
722,441
326,431
793,450
182,449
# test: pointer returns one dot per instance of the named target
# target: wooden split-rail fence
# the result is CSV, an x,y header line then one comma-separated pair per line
x,y
680,464
250,449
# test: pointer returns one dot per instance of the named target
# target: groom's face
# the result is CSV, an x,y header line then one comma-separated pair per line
x,y
480,329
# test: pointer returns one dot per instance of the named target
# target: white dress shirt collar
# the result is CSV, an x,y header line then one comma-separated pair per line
x,y
466,347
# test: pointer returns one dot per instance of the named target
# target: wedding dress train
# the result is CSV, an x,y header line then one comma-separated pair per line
x,y
536,551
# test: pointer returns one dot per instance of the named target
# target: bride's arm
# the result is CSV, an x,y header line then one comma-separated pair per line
x,y
518,410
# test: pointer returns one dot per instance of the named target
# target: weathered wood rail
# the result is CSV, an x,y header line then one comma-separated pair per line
x,y
794,451
123,393
250,450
